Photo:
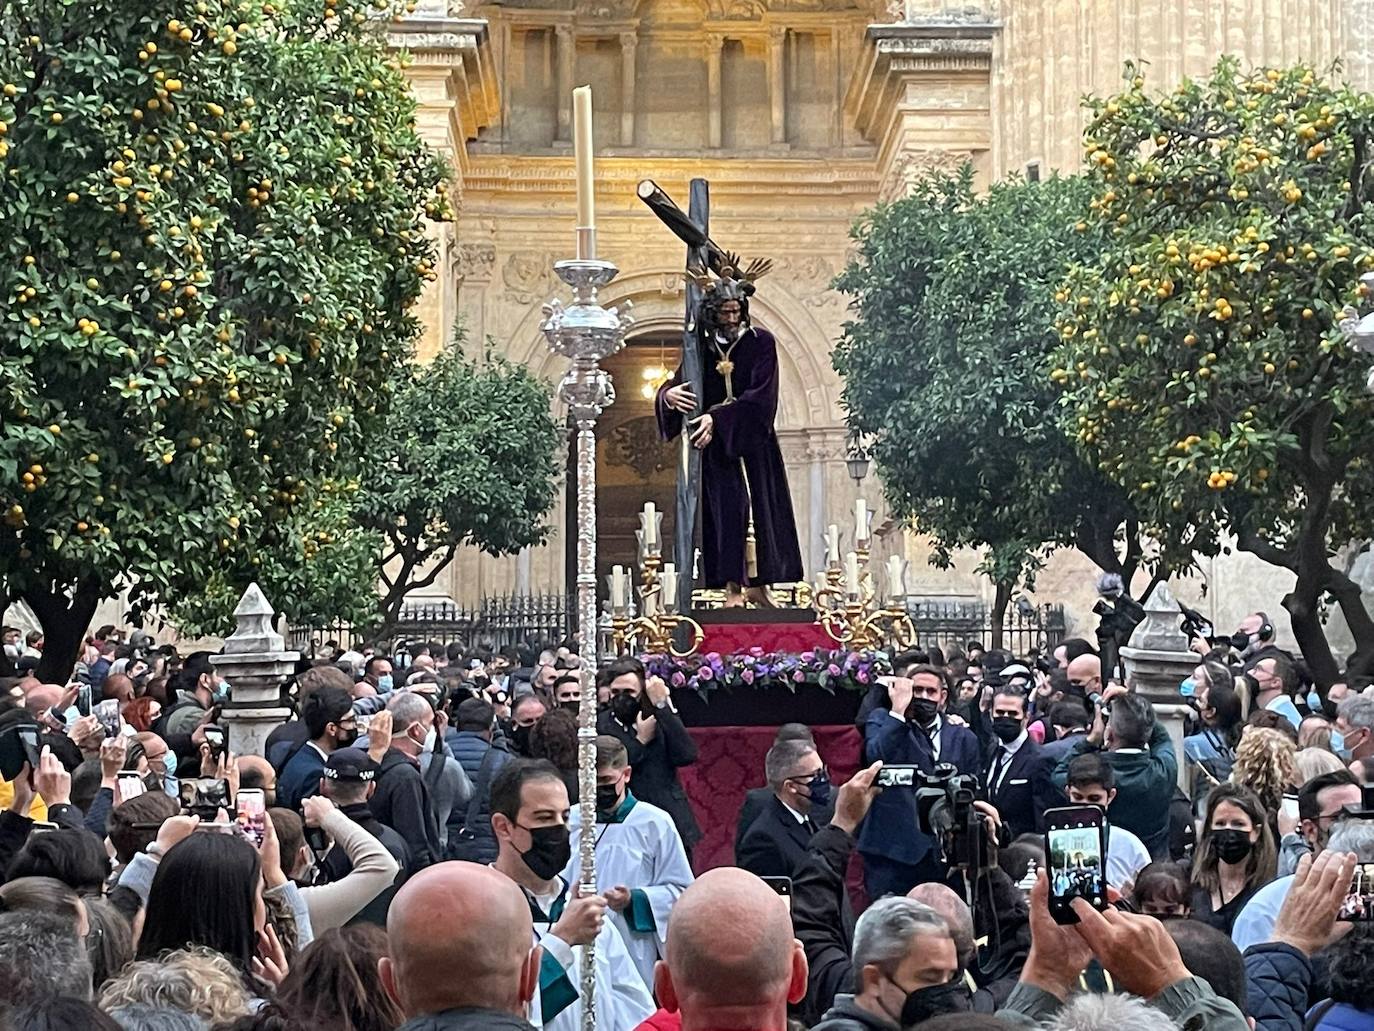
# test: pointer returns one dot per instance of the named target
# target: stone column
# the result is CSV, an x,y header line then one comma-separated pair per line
x,y
777,84
715,42
254,662
566,60
629,43
1157,659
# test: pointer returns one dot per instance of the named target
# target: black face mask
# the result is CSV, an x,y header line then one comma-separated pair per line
x,y
624,707
549,851
922,711
573,707
345,736
924,1003
520,739
1007,728
1231,845
607,801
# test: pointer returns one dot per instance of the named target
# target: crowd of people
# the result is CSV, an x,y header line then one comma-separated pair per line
x,y
405,853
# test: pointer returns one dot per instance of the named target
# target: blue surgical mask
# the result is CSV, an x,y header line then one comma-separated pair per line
x,y
169,779
1314,701
221,692
385,683
1338,745
1188,688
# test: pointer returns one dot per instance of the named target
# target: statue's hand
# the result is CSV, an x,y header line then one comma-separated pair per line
x,y
704,432
680,398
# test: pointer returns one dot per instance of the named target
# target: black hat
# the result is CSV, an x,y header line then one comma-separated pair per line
x,y
350,764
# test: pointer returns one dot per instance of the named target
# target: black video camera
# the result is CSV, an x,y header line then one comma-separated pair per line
x,y
1194,624
944,806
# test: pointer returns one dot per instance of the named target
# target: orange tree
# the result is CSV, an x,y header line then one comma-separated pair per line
x,y
944,364
1200,360
211,237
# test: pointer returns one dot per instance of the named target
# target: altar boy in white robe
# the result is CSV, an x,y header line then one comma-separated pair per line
x,y
641,865
529,815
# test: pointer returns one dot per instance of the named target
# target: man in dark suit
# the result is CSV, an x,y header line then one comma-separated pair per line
x,y
1017,776
757,800
642,716
775,844
897,854
1069,718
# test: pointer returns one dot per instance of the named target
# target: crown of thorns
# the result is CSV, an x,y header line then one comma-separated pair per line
x,y
734,281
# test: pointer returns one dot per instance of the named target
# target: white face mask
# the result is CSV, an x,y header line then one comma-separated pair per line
x,y
430,736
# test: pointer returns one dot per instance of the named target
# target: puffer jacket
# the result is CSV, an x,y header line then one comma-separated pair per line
x,y
1340,1016
1277,977
469,748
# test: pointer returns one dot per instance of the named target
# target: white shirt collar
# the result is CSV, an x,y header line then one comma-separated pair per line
x,y
796,815
1014,746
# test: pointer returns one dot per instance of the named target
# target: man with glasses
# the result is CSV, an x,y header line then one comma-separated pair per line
x,y
1321,803
775,843
897,854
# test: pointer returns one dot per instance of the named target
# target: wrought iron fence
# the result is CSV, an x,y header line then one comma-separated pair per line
x,y
493,623
1025,628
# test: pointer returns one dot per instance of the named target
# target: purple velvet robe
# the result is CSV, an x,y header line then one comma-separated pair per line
x,y
743,431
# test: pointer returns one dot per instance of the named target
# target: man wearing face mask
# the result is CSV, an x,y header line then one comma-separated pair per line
x,y
1321,804
525,714
641,714
199,688
377,673
641,867
775,843
898,855
402,800
1353,736
905,967
529,805
329,719
567,692
1017,778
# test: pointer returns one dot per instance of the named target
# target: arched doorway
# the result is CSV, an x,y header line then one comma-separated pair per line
x,y
633,465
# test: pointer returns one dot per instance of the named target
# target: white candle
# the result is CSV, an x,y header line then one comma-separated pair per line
x,y
668,580
896,579
832,545
650,520
582,151
851,573
650,604
861,521
618,587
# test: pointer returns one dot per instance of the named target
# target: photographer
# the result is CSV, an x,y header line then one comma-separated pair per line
x,y
1141,755
898,853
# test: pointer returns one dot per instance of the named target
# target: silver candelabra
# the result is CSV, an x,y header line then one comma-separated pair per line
x,y
586,332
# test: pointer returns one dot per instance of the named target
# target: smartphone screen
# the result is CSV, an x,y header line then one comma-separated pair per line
x,y
107,712
252,813
214,737
896,777
130,785
1290,806
1359,903
781,885
1075,848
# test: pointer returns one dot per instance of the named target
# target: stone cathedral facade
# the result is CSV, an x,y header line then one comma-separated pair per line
x,y
802,114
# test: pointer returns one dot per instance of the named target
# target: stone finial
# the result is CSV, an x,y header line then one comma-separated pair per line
x,y
254,634
1159,630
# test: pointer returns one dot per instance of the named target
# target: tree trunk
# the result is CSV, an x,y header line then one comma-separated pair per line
x,y
65,620
1000,602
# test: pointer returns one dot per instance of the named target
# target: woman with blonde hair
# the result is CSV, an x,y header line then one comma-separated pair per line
x,y
1235,856
1266,764
196,981
1314,761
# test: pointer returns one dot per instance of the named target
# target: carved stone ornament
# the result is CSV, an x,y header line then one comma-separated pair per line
x,y
474,260
909,168
526,275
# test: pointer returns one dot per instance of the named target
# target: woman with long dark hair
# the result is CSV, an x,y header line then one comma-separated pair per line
x,y
208,892
335,984
1235,855
554,737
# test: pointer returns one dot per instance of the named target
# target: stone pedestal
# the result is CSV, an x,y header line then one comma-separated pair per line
x,y
1157,660
254,662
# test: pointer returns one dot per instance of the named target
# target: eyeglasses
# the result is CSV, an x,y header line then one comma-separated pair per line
x,y
807,778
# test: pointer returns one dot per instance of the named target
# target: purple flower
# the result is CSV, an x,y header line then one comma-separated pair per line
x,y
833,670
747,676
756,651
706,673
678,679
808,656
798,676
862,676
713,657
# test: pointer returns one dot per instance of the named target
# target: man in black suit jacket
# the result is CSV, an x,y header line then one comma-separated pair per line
x,y
641,716
1017,775
756,800
775,844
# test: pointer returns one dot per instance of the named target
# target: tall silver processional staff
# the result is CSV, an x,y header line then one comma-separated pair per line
x,y
586,332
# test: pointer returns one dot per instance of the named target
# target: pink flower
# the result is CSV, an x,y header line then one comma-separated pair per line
x,y
834,670
747,676
679,679
756,651
862,676
706,673
799,676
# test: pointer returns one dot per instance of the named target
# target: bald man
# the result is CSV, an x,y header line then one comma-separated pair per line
x,y
1085,676
119,687
459,955
732,959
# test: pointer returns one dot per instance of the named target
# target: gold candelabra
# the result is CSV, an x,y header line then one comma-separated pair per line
x,y
655,626
847,604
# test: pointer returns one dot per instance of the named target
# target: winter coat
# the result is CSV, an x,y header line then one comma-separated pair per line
x,y
1277,977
